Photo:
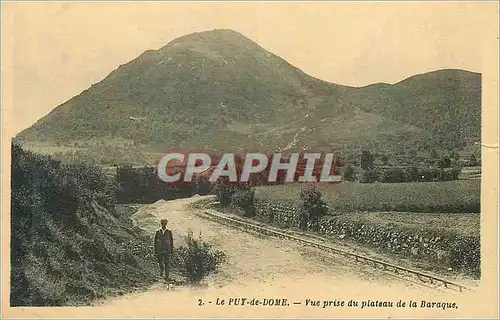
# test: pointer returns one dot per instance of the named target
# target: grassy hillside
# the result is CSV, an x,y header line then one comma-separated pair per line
x,y
68,245
447,103
218,89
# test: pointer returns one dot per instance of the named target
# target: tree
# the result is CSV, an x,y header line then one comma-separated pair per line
x,y
349,174
413,174
473,162
223,192
454,155
433,154
339,161
455,173
393,175
367,160
384,159
444,162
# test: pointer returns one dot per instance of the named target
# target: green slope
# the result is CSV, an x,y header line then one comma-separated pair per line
x,y
446,103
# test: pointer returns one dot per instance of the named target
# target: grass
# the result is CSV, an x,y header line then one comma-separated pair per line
x,y
461,196
62,267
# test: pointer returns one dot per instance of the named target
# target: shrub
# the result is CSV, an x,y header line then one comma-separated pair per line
x,y
367,160
142,185
203,185
244,198
430,174
369,176
393,175
444,162
303,219
196,259
349,174
223,192
311,206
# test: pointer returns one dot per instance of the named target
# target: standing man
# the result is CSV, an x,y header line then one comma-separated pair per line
x,y
164,247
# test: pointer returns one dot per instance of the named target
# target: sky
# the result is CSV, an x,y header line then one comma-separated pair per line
x,y
53,51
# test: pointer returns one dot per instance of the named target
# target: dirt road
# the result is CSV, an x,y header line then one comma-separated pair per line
x,y
264,267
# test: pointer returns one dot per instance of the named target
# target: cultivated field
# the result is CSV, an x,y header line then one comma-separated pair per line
x,y
448,206
461,196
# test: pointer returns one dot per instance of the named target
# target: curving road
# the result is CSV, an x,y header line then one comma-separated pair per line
x,y
259,266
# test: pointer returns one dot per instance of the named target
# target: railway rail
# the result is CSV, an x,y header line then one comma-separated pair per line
x,y
398,271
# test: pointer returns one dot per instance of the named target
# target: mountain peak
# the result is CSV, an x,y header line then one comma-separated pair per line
x,y
219,89
216,35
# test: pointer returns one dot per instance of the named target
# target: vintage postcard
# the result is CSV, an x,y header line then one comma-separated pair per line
x,y
249,159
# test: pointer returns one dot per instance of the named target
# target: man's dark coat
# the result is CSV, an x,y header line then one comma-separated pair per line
x,y
164,243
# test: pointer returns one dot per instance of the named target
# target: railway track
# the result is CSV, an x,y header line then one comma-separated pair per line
x,y
400,272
